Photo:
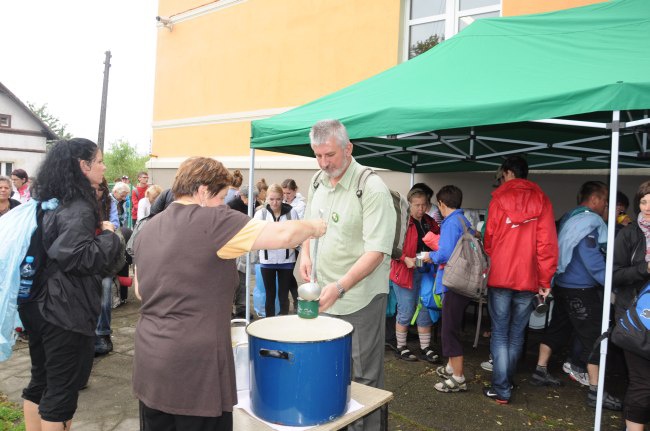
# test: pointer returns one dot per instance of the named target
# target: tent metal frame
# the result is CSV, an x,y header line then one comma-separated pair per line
x,y
617,128
433,140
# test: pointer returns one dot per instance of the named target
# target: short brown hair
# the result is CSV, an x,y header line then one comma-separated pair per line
x,y
289,184
589,188
261,185
237,178
200,171
451,196
417,193
644,189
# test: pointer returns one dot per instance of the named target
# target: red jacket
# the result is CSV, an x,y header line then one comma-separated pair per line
x,y
400,274
520,237
137,194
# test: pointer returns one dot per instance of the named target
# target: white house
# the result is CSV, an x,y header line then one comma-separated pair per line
x,y
22,135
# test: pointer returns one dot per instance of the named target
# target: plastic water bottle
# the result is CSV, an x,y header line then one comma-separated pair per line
x,y
27,272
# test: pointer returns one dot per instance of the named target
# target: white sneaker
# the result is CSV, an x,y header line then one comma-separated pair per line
x,y
487,365
582,378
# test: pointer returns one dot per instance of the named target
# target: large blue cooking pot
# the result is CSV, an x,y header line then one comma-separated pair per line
x,y
300,369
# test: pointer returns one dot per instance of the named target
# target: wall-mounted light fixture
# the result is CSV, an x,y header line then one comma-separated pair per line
x,y
165,22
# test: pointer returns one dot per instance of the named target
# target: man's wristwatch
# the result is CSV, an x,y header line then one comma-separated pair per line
x,y
340,290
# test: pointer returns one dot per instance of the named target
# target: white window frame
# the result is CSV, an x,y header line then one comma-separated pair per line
x,y
451,17
3,168
8,119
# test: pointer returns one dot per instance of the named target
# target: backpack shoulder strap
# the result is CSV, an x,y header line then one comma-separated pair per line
x,y
264,213
316,182
462,223
361,184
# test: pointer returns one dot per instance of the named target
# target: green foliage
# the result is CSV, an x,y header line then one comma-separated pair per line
x,y
121,158
422,46
52,122
11,416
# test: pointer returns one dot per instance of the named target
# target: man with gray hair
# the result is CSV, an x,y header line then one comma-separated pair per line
x,y
119,194
353,260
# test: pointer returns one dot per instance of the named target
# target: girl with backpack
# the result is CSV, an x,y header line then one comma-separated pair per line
x,y
450,199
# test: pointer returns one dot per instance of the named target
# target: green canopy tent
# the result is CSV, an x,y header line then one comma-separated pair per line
x,y
569,89
470,100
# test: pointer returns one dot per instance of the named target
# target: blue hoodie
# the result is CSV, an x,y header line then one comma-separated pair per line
x,y
587,266
450,232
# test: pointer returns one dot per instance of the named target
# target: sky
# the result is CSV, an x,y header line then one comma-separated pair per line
x,y
53,53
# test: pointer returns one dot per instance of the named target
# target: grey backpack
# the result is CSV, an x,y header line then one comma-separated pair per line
x,y
466,271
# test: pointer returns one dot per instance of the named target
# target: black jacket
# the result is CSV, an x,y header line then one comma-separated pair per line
x,y
239,205
630,267
161,202
76,256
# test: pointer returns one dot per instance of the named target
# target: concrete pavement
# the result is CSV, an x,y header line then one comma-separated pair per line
x,y
108,404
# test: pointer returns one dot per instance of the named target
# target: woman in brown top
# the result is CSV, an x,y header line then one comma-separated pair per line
x,y
184,372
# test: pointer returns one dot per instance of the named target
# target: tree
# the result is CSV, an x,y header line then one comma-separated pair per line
x,y
422,46
122,158
52,122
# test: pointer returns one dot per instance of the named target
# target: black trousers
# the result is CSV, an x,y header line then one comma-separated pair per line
x,y
577,311
286,282
637,397
61,365
155,420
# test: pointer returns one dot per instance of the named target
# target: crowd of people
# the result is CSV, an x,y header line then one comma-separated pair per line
x,y
533,260
205,220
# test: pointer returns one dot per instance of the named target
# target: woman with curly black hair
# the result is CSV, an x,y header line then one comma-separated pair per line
x,y
61,313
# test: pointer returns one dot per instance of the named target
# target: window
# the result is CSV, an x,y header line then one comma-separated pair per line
x,y
429,22
5,120
6,168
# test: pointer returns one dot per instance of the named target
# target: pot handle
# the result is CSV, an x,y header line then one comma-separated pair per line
x,y
278,354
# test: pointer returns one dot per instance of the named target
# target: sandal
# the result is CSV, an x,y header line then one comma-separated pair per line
x,y
610,402
450,385
442,372
429,355
405,354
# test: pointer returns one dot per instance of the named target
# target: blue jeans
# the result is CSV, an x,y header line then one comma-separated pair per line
x,y
407,302
104,321
510,313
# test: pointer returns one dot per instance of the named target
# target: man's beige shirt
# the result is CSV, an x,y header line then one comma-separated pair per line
x,y
355,226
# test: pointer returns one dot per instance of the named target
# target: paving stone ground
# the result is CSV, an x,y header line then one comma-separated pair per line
x,y
108,404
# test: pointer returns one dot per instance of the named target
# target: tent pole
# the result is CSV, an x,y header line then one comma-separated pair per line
x,y
251,209
414,161
644,144
611,223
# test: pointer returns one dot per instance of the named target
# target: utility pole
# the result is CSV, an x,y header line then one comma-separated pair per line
x,y
102,112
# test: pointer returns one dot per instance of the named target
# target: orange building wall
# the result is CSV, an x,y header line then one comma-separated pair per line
x,y
523,7
259,55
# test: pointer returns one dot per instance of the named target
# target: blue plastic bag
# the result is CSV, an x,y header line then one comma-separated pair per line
x,y
259,294
16,229
391,303
430,296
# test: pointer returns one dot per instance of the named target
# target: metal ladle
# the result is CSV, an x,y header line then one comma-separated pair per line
x,y
311,291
